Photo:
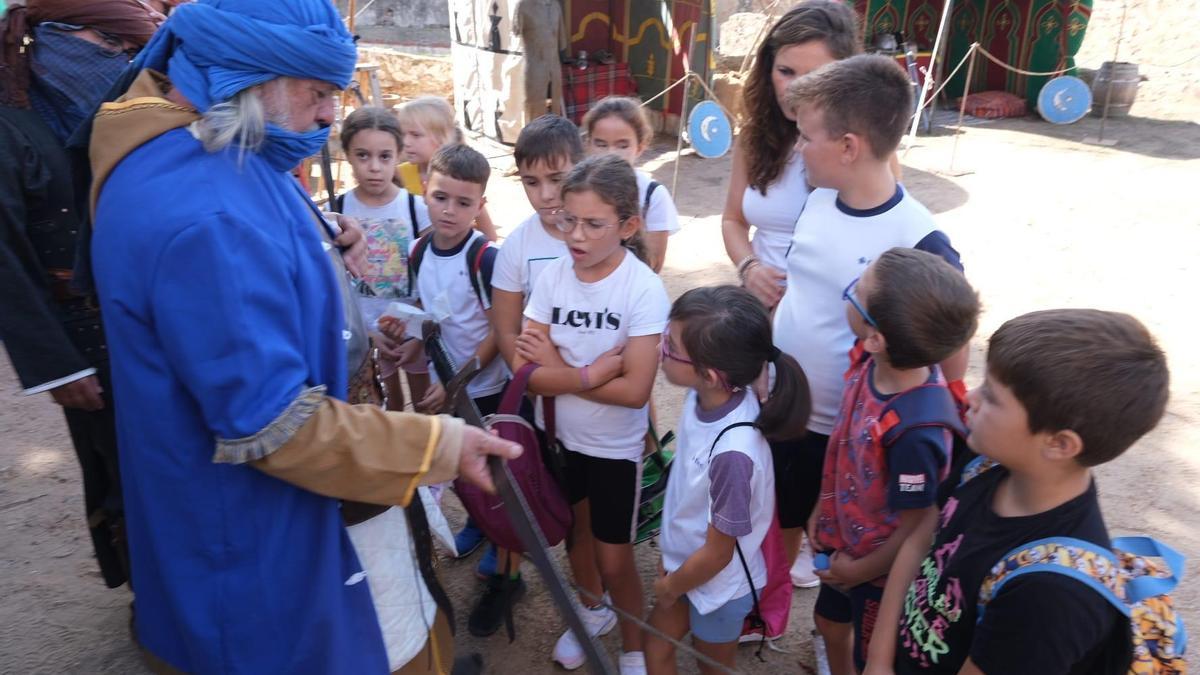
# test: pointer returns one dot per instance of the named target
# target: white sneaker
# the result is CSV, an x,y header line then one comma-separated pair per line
x,y
802,573
599,621
632,663
755,636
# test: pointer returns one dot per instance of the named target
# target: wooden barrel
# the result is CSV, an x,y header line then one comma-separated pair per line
x,y
1122,79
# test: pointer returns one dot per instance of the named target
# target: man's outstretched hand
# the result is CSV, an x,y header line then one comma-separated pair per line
x,y
477,444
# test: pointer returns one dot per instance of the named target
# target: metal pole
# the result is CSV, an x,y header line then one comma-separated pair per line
x,y
929,76
688,74
962,108
1112,72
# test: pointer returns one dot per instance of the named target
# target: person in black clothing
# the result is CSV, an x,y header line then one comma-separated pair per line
x,y
1056,401
51,330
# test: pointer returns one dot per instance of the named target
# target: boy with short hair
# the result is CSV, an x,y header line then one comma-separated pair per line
x,y
850,115
1065,390
892,439
546,150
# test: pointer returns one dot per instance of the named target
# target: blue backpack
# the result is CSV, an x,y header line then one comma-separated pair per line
x,y
1136,576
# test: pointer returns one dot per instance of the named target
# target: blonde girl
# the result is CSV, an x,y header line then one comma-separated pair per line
x,y
427,123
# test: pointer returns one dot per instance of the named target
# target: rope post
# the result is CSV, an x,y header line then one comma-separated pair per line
x,y
1099,140
962,108
688,74
931,75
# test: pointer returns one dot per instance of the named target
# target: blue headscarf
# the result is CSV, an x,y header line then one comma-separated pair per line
x,y
213,49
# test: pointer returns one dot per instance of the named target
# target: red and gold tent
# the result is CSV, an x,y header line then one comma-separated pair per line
x,y
1030,35
648,40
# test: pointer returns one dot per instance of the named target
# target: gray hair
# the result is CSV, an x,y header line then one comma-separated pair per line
x,y
242,120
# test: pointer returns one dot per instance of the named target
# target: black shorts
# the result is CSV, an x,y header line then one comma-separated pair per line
x,y
798,466
488,405
860,606
611,487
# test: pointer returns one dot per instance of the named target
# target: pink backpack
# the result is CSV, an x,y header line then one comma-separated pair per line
x,y
775,602
543,494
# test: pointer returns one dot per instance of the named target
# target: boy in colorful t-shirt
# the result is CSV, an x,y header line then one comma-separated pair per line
x,y
909,311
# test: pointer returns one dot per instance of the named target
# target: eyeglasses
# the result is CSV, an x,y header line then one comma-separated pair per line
x,y
592,229
668,354
848,296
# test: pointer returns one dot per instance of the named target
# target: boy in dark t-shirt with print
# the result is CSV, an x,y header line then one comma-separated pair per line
x,y
1066,390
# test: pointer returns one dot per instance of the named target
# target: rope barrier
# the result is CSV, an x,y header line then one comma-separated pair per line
x,y
1014,69
1177,65
712,663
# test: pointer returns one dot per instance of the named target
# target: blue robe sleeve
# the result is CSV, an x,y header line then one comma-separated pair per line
x,y
224,306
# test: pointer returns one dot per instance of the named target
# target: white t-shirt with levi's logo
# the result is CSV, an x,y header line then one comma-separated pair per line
x,y
586,320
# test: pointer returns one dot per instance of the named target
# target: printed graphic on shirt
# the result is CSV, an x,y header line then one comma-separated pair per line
x,y
912,482
386,273
579,318
925,640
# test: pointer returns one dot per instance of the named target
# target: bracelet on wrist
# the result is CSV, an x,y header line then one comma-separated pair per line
x,y
745,271
746,262
583,378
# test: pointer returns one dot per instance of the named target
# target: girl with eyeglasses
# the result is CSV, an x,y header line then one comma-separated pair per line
x,y
593,325
720,498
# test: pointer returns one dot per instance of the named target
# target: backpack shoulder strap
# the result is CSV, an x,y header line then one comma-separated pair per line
x,y
929,405
1095,566
1159,566
756,620
649,191
858,356
481,281
412,213
414,260
731,427
976,468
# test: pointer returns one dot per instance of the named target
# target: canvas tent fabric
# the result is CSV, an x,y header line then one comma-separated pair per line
x,y
651,36
1032,35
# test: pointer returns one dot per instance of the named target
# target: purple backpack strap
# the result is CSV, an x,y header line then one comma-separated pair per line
x,y
510,403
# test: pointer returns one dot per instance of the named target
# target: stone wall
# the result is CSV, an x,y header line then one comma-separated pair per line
x,y
399,13
407,75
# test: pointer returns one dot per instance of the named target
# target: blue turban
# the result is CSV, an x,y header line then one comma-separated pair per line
x,y
213,49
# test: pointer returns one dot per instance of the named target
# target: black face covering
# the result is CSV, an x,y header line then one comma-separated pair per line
x,y
70,75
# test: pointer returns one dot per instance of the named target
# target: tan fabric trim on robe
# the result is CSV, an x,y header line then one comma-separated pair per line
x,y
137,117
365,454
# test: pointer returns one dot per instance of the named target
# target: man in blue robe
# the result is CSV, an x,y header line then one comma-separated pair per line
x,y
229,350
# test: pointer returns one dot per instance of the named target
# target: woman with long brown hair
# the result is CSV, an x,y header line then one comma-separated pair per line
x,y
767,188
767,192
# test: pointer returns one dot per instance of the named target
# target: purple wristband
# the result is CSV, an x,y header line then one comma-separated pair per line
x,y
583,378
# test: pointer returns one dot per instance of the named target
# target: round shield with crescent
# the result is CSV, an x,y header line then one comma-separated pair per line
x,y
709,130
1064,100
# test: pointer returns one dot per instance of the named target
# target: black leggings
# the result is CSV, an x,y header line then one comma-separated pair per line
x,y
798,466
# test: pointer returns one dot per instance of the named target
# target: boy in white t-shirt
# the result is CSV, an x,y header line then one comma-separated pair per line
x,y
450,273
546,150
851,116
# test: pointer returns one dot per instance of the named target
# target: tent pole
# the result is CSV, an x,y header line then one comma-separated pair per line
x,y
962,108
935,56
1111,72
688,74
